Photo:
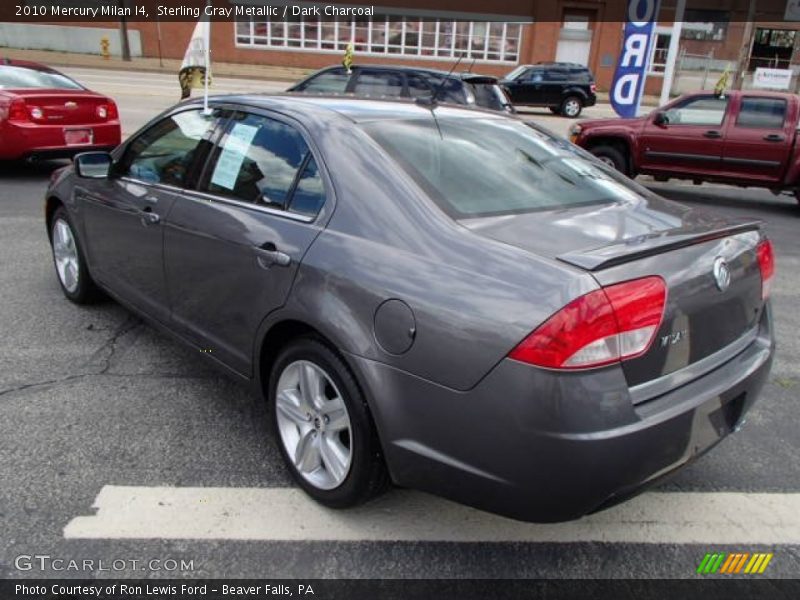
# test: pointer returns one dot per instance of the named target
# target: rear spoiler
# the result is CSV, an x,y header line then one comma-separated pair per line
x,y
479,79
603,257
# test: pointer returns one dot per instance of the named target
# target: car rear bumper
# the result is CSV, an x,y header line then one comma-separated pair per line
x,y
30,140
539,446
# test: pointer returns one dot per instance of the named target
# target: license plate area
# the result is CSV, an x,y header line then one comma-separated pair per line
x,y
78,137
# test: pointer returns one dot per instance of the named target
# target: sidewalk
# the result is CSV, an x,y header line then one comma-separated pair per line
x,y
170,65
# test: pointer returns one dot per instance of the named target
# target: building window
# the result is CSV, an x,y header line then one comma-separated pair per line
x,y
705,25
480,41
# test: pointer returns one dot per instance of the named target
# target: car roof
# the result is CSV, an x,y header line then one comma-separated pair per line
x,y
408,68
26,64
322,108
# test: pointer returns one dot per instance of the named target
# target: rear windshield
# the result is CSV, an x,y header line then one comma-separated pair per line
x,y
485,167
12,77
489,95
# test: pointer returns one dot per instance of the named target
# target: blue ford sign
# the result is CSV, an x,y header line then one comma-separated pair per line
x,y
628,84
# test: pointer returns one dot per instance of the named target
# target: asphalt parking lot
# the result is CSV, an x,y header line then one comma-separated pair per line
x,y
104,422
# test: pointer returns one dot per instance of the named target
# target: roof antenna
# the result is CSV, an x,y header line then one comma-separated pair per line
x,y
432,101
472,64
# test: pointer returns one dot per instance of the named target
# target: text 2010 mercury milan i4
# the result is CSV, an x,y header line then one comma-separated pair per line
x,y
444,298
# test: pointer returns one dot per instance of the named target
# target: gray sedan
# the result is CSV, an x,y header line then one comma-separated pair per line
x,y
446,299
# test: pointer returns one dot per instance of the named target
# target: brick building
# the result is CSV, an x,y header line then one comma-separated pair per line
x,y
585,31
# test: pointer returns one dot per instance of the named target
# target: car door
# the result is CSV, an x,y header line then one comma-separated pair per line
x,y
232,247
690,141
555,81
124,214
758,142
526,88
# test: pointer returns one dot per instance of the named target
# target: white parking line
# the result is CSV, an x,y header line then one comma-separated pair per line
x,y
287,514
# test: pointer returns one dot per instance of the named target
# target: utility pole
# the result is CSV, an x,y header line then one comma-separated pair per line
x,y
672,53
123,34
748,36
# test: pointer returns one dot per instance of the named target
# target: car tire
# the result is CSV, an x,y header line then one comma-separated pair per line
x,y
571,107
323,426
70,261
612,157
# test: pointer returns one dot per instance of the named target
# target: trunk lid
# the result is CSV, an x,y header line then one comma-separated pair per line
x,y
61,107
628,240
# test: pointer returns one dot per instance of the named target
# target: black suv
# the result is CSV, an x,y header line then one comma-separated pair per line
x,y
563,87
408,82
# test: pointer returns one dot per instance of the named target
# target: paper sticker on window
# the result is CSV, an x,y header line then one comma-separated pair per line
x,y
232,156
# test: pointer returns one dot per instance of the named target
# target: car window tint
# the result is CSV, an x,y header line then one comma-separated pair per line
x,y
534,76
329,82
165,152
257,161
555,75
704,110
379,83
417,87
448,89
488,95
309,195
12,77
769,113
481,167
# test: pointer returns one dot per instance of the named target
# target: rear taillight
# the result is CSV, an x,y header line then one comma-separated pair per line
x,y
107,111
766,262
605,326
593,88
18,110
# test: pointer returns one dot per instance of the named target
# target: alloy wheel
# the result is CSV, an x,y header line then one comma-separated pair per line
x,y
65,253
314,424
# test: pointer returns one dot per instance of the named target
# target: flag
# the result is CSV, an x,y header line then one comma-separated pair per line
x,y
347,62
196,67
629,76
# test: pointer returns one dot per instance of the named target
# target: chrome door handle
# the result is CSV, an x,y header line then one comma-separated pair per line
x,y
712,134
268,255
149,218
773,137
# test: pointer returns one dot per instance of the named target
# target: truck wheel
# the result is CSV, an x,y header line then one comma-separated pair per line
x,y
571,107
612,157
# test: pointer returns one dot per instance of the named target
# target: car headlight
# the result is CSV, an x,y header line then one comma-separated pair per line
x,y
574,132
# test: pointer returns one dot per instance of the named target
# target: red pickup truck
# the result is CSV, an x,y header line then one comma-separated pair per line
x,y
740,138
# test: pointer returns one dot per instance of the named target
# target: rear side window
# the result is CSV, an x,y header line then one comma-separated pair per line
x,y
379,83
266,162
12,77
767,113
580,76
329,82
417,86
555,75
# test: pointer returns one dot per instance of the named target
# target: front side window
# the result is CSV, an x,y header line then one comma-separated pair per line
x,y
265,162
482,167
767,113
379,83
165,152
704,110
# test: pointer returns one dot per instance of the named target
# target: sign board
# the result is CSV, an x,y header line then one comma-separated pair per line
x,y
772,79
629,76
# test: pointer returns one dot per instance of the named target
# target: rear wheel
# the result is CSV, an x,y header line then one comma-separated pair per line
x,y
571,107
612,157
69,260
324,430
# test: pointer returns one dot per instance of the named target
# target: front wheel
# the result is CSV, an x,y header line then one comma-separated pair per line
x,y
571,107
324,429
612,157
69,260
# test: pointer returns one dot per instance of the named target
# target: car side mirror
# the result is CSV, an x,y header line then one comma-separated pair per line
x,y
93,165
661,119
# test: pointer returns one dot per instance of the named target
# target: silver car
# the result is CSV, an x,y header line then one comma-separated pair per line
x,y
448,299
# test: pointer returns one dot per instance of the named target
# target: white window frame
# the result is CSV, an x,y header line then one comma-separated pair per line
x,y
278,42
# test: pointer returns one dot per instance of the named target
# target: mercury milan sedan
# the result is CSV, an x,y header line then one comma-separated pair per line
x,y
446,299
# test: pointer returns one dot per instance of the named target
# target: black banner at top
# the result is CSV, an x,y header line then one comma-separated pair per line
x,y
65,11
